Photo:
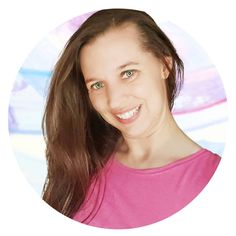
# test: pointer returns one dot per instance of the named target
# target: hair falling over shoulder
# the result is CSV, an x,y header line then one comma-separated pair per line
x,y
78,141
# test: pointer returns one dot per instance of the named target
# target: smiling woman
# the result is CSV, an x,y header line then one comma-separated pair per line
x,y
116,157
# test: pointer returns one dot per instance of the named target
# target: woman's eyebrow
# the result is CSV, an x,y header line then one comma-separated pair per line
x,y
90,80
127,64
130,63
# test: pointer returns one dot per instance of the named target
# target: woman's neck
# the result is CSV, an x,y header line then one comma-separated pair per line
x,y
167,143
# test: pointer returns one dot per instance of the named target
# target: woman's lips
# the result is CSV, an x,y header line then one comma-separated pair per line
x,y
128,116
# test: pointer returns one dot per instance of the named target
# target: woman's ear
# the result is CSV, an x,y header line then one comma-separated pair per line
x,y
166,67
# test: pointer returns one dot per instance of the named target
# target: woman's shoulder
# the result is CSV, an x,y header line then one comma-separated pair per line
x,y
203,155
210,155
199,154
203,162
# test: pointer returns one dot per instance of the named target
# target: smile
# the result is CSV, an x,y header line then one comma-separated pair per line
x,y
129,114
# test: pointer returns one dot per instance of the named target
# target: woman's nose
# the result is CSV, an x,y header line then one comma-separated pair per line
x,y
116,96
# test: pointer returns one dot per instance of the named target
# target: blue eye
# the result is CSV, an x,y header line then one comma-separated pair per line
x,y
97,85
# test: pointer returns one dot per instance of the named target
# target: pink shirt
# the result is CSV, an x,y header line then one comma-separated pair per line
x,y
131,197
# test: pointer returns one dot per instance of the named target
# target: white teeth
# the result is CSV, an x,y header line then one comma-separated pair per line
x,y
128,114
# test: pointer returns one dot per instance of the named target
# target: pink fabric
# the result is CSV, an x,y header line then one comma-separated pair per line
x,y
129,197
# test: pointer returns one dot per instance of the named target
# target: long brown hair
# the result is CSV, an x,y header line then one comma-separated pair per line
x,y
78,141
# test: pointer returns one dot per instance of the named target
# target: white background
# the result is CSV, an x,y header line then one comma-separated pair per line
x,y
24,23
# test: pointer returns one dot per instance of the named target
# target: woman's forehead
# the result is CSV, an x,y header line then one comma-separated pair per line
x,y
117,46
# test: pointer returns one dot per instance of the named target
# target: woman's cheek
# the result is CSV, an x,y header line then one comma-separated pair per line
x,y
140,90
98,102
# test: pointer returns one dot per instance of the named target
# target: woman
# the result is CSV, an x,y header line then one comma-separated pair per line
x,y
116,157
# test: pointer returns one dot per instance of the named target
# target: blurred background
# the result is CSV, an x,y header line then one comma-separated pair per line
x,y
200,109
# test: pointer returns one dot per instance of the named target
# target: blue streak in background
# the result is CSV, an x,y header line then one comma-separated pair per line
x,y
38,79
32,72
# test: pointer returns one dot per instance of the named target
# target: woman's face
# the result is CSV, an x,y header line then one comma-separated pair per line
x,y
126,84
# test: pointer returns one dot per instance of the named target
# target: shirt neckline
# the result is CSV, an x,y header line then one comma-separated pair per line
x,y
173,164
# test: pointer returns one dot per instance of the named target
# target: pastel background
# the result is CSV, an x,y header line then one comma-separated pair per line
x,y
200,109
